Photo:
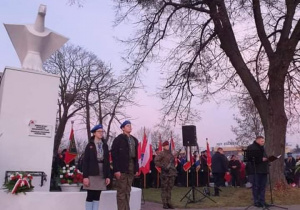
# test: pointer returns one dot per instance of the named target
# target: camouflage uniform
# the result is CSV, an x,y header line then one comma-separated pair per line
x,y
166,161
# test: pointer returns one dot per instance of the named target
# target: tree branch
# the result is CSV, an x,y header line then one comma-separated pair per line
x,y
261,29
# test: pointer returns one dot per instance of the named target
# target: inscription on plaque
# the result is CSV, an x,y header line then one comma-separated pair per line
x,y
40,130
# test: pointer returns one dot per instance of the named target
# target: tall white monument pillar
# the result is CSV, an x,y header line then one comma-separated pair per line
x,y
28,102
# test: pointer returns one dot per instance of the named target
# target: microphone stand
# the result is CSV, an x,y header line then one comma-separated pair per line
x,y
271,193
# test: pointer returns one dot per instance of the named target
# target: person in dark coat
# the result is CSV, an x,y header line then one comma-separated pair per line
x,y
234,167
154,172
258,168
204,171
219,165
95,168
290,165
125,164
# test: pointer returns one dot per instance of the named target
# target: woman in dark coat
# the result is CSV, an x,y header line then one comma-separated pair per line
x,y
234,166
96,169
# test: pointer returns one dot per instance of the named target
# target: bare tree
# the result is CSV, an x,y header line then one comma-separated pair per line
x,y
248,122
165,133
222,45
72,64
112,99
98,74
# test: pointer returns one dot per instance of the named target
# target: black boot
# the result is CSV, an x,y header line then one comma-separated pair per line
x,y
217,191
165,206
170,206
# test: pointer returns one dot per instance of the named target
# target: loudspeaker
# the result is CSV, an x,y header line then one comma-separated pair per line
x,y
189,135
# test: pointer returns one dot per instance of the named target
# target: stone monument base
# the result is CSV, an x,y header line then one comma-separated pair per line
x,y
64,200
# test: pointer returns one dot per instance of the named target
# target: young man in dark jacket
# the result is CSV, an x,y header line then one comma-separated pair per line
x,y
258,168
125,164
219,166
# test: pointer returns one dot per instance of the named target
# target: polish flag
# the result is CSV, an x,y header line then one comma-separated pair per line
x,y
188,164
147,157
140,157
172,144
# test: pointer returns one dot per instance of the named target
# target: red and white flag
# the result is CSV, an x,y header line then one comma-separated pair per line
x,y
140,157
188,164
172,144
147,156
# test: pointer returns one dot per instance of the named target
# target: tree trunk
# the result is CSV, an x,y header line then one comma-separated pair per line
x,y
275,130
60,132
88,117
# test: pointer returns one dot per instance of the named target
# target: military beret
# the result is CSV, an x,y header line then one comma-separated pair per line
x,y
166,143
125,123
96,127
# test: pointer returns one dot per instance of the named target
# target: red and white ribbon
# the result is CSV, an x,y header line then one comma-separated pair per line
x,y
20,183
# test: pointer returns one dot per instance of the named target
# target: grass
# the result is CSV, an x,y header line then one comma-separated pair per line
x,y
229,197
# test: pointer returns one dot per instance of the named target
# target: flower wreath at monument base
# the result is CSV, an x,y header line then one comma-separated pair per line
x,y
18,182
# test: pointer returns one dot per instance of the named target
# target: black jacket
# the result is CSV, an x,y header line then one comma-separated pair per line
x,y
219,163
255,164
234,163
203,163
120,154
90,163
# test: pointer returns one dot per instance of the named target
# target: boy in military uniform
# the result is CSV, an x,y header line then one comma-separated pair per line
x,y
125,164
166,161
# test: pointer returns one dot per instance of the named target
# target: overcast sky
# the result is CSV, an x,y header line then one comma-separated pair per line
x,y
92,28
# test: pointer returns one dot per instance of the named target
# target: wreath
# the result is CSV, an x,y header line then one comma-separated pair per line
x,y
18,182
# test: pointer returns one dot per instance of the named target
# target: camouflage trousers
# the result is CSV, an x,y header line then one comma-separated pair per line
x,y
167,183
124,188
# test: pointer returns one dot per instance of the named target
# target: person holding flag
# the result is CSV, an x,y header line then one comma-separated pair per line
x,y
125,163
96,168
166,161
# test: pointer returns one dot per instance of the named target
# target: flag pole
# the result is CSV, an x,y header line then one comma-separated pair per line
x,y
197,179
145,181
157,182
187,178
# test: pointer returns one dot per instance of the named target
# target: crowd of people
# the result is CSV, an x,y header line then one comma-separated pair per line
x,y
231,171
169,168
291,175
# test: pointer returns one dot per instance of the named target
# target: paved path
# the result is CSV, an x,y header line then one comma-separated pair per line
x,y
156,206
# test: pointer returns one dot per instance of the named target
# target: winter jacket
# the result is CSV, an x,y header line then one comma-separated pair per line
x,y
254,156
90,163
120,154
219,163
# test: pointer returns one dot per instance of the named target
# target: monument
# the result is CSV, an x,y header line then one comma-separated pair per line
x,y
28,103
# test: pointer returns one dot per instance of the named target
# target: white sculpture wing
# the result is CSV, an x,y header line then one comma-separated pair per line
x,y
16,34
54,42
